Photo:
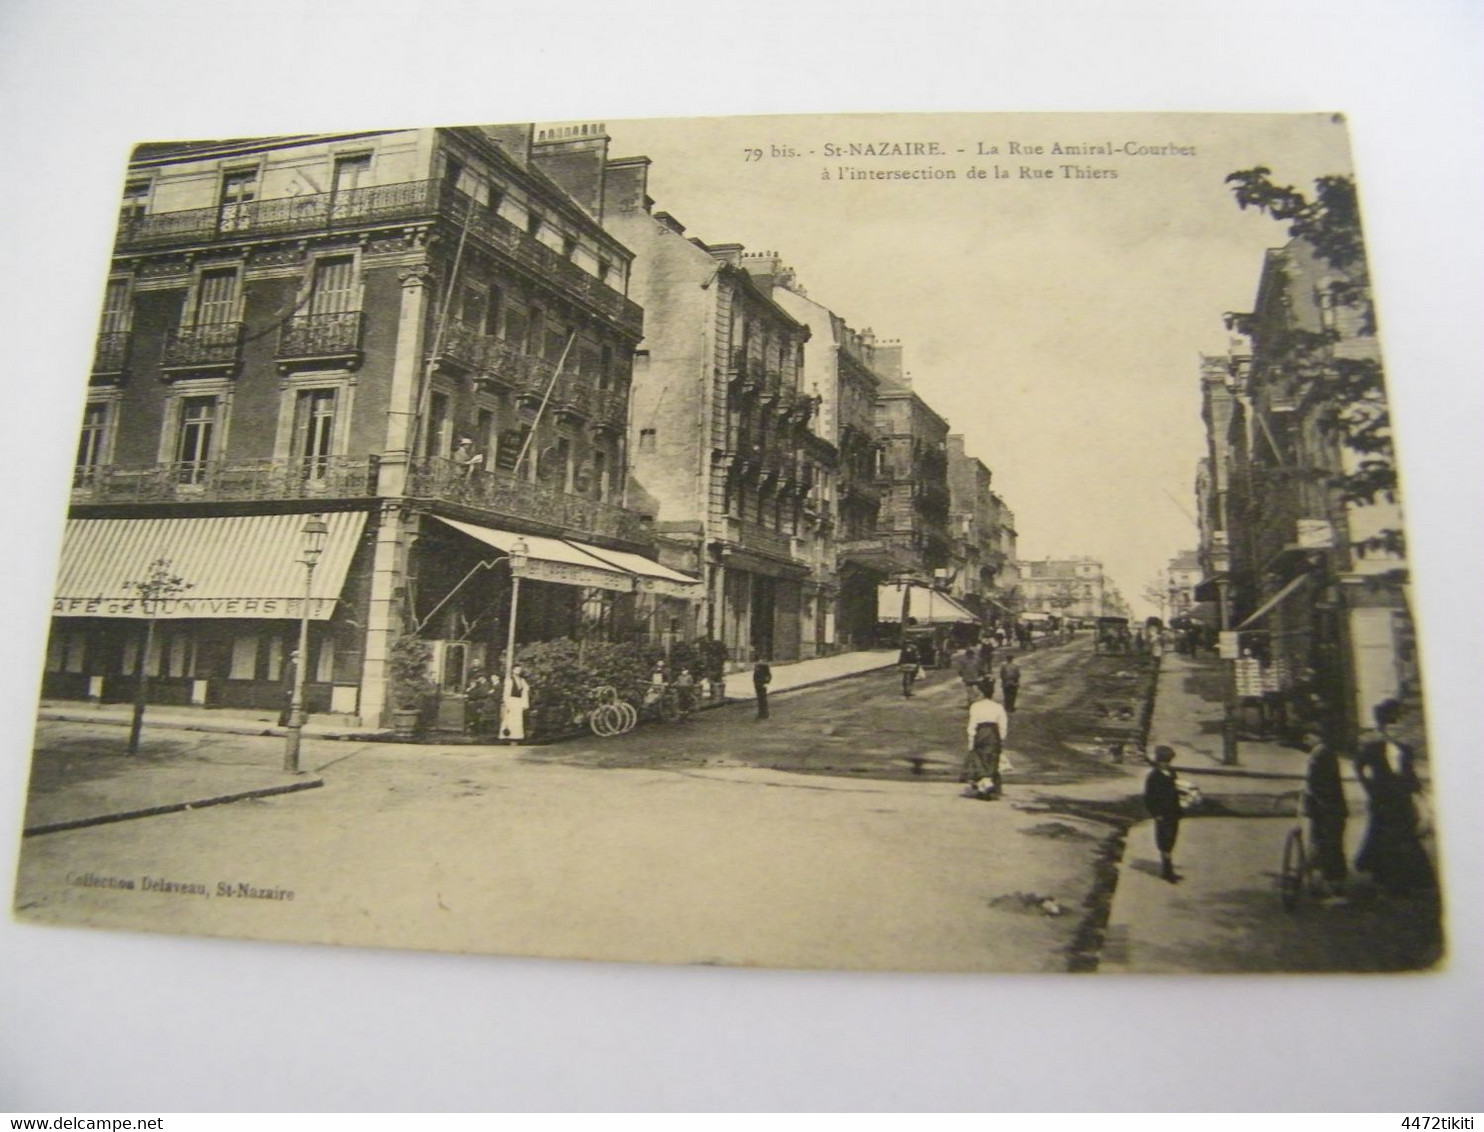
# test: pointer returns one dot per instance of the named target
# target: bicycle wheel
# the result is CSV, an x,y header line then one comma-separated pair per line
x,y
1292,879
603,721
630,716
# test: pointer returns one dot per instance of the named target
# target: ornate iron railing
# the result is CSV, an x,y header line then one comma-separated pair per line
x,y
510,497
752,536
211,345
314,477
321,335
353,208
111,352
611,410
304,213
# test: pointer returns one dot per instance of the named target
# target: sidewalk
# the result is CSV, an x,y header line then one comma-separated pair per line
x,y
1225,915
807,673
187,761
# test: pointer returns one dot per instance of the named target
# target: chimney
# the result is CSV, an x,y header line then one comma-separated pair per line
x,y
727,253
626,186
670,222
576,158
514,138
887,361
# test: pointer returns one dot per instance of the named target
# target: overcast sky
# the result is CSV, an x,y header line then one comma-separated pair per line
x,y
1057,323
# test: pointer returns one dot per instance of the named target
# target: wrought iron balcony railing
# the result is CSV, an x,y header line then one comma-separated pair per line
x,y
313,477
314,336
510,497
375,205
111,352
752,536
209,345
611,411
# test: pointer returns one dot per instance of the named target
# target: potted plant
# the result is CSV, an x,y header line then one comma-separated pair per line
x,y
411,687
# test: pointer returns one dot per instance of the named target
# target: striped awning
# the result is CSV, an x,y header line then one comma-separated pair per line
x,y
649,576
1272,602
551,559
926,607
235,566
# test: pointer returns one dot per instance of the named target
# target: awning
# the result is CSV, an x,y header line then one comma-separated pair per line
x,y
1281,595
927,607
649,576
237,566
552,559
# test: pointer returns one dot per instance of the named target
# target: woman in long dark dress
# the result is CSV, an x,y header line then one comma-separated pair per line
x,y
1392,851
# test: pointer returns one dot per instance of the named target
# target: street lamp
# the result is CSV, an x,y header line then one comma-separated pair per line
x,y
518,552
314,531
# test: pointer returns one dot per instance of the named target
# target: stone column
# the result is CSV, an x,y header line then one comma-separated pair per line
x,y
396,528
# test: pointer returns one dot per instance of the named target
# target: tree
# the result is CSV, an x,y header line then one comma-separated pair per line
x,y
1157,593
159,585
1346,394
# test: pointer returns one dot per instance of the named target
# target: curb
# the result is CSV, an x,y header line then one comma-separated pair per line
x,y
270,730
174,807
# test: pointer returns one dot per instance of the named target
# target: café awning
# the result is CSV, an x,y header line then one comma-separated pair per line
x,y
1272,602
236,566
649,576
551,559
925,607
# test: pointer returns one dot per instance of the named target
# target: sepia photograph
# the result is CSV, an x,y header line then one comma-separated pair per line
x,y
867,542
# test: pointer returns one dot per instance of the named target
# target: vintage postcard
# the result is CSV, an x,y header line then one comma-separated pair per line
x,y
879,542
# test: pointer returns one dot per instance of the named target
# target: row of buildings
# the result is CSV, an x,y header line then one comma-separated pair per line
x,y
1069,587
453,343
1303,561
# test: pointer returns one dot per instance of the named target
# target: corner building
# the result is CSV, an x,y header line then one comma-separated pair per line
x,y
312,325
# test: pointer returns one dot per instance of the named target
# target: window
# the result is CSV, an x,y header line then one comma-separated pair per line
x,y
136,202
535,331
647,440
193,445
90,443
351,173
486,436
439,437
604,270
216,297
533,223
239,190
314,431
493,309
600,474
512,441
115,307
333,289
569,246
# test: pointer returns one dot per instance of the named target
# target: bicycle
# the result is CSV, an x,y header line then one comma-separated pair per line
x,y
610,715
1299,875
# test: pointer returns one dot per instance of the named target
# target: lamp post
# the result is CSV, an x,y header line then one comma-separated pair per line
x,y
314,532
518,554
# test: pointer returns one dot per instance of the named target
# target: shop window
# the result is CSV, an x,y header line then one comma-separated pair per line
x,y
66,651
244,665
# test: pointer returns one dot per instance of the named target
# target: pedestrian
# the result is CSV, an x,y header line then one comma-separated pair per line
x,y
515,702
762,676
685,692
290,678
465,458
481,708
989,727
986,666
909,665
1324,806
1392,850
971,671
1010,681
1162,800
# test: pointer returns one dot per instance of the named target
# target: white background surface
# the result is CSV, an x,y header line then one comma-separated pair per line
x,y
98,1021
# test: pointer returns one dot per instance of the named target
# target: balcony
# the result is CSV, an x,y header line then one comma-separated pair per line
x,y
493,361
610,412
111,353
507,497
572,400
212,481
772,388
321,338
211,345
369,207
751,536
